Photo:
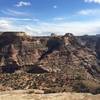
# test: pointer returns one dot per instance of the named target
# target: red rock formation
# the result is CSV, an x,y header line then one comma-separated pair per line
x,y
55,62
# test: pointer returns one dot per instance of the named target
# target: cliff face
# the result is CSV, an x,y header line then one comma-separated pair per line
x,y
18,50
59,62
91,42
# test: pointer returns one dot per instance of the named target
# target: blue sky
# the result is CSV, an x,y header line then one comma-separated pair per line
x,y
42,17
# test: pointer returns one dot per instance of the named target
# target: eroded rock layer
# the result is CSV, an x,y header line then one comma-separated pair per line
x,y
53,64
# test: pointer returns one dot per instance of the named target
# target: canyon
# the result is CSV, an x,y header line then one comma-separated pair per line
x,y
53,63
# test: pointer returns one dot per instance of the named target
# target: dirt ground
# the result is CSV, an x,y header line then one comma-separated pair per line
x,y
39,95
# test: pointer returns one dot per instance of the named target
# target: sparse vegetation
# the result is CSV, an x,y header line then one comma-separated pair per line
x,y
52,64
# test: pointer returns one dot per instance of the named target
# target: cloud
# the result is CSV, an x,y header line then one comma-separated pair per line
x,y
16,19
23,3
76,27
46,28
14,12
89,12
92,1
59,18
36,20
5,25
55,6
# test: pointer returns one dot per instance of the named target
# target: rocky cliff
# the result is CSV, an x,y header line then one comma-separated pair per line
x,y
53,64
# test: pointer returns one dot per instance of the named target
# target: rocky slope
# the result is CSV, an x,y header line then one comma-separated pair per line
x,y
91,42
52,64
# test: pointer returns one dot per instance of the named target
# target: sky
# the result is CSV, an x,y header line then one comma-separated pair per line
x,y
43,17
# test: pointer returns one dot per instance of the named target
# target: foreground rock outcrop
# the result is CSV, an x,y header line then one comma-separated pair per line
x,y
52,64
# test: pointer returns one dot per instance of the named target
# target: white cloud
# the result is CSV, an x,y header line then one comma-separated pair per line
x,y
78,28
59,18
46,28
35,19
89,12
18,19
23,3
92,1
14,12
55,6
5,25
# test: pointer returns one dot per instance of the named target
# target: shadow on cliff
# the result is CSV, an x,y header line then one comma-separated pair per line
x,y
35,69
52,44
97,48
11,68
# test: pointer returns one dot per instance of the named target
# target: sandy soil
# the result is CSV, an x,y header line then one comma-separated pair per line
x,y
31,95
